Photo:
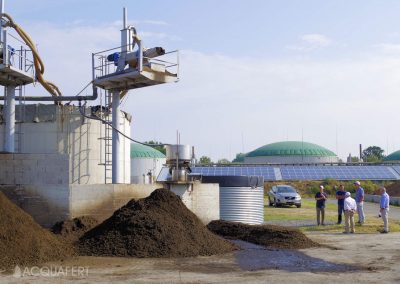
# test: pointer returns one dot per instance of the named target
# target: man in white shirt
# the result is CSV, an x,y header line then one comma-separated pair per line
x,y
384,211
350,207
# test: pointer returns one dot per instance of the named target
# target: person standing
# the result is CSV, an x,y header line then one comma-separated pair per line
x,y
350,208
384,205
340,196
320,197
360,202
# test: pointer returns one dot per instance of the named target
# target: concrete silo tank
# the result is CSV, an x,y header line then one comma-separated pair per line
x,y
241,198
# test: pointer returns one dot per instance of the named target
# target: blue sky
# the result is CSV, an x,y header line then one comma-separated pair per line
x,y
327,71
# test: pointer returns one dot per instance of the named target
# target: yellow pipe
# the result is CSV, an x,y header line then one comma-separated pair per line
x,y
39,66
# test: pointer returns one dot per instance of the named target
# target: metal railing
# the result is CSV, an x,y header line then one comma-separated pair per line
x,y
102,67
16,54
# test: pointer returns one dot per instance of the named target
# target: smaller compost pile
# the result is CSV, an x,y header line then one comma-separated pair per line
x,y
157,226
269,236
23,241
72,230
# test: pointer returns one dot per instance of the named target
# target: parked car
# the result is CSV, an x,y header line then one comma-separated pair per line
x,y
284,195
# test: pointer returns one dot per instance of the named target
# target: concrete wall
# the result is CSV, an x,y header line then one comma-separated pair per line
x,y
34,169
377,199
46,204
52,203
141,166
100,201
50,129
289,160
201,199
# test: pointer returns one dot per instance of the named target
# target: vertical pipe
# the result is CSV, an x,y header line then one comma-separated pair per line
x,y
1,13
140,46
93,67
5,49
125,18
9,145
115,137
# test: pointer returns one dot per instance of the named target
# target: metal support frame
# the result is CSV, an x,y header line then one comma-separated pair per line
x,y
116,109
9,145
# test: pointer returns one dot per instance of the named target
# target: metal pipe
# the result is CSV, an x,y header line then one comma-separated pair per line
x,y
9,145
1,26
140,46
125,15
116,113
5,46
59,99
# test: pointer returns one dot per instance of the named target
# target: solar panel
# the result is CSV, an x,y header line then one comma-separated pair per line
x,y
265,171
337,172
397,169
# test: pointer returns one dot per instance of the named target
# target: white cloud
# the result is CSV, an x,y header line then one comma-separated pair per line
x,y
317,40
310,42
221,97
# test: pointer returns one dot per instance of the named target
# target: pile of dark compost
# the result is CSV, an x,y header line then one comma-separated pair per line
x,y
157,226
270,236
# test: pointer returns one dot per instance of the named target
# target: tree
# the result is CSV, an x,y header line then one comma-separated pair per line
x,y
239,158
224,161
204,160
157,145
355,159
373,154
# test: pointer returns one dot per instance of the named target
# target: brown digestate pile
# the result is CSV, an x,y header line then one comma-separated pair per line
x,y
23,241
393,189
269,236
157,226
72,230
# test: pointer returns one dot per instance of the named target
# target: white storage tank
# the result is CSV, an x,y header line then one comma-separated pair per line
x,y
146,163
241,198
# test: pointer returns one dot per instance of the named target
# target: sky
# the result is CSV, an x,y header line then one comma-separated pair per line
x,y
252,72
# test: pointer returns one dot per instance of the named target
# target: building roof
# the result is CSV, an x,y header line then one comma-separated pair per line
x,y
142,151
291,148
395,156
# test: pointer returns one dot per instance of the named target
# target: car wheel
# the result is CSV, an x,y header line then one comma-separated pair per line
x,y
270,202
275,203
298,206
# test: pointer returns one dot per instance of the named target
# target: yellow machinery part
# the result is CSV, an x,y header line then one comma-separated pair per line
x,y
39,66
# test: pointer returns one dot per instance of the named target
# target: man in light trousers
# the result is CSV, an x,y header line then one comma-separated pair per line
x,y
360,202
350,208
384,205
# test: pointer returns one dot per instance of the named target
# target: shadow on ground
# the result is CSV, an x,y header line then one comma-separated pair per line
x,y
253,257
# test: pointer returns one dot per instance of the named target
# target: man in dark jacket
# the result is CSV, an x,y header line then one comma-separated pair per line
x,y
340,196
321,197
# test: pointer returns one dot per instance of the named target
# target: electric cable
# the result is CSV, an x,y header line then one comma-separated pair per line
x,y
82,112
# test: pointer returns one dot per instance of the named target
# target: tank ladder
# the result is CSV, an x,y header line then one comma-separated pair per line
x,y
106,138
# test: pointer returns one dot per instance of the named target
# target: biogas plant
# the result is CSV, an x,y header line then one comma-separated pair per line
x,y
65,156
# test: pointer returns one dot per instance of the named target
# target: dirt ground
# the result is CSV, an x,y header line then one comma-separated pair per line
x,y
364,258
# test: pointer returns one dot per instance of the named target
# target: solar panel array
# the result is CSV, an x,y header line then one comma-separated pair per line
x,y
304,172
266,171
337,172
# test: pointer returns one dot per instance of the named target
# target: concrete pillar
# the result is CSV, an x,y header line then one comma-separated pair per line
x,y
116,138
9,145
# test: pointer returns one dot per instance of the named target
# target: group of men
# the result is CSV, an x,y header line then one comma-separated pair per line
x,y
349,206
